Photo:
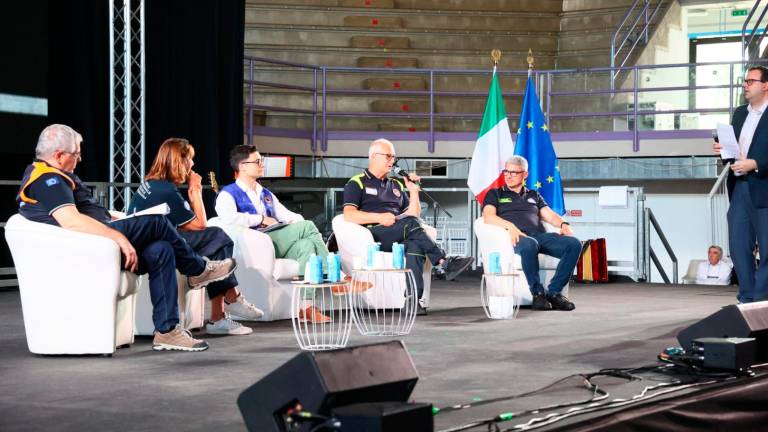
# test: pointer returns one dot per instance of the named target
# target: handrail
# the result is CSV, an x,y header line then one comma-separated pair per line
x,y
747,46
717,208
650,218
319,89
641,13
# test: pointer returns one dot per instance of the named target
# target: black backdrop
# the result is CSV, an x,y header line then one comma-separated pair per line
x,y
194,78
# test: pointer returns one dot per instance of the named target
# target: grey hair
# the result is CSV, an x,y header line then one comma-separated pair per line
x,y
57,137
377,143
719,249
517,160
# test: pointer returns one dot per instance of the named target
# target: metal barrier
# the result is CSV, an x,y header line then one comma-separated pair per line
x,y
650,221
562,94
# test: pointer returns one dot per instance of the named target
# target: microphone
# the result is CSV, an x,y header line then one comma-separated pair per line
x,y
403,173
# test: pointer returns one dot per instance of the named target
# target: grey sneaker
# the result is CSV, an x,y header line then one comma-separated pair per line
x,y
243,310
178,339
227,327
214,271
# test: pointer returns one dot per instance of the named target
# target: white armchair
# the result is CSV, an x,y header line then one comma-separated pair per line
x,y
353,241
492,238
75,297
264,280
191,306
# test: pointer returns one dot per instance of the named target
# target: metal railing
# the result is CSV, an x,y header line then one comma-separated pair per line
x,y
556,89
750,39
650,221
717,208
632,33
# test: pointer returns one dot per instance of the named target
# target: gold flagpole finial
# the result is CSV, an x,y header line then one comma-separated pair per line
x,y
530,59
496,56
214,183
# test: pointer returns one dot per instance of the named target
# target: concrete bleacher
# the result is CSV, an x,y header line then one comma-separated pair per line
x,y
419,34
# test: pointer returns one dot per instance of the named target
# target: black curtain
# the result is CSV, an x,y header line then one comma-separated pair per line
x,y
194,58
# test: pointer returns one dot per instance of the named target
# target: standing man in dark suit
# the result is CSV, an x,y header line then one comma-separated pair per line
x,y
748,189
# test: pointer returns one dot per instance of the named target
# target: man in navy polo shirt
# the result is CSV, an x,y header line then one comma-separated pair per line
x,y
373,199
520,210
51,193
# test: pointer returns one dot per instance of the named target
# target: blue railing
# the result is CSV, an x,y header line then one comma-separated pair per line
x,y
319,91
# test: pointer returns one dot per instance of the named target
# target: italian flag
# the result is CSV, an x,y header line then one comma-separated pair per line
x,y
494,145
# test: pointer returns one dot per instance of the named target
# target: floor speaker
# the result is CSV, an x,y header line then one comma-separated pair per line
x,y
744,320
323,380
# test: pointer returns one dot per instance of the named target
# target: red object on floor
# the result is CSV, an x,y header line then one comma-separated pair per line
x,y
396,84
381,42
404,107
389,62
411,129
367,2
374,21
593,262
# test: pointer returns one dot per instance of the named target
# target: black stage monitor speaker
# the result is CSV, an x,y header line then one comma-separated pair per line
x,y
320,381
744,321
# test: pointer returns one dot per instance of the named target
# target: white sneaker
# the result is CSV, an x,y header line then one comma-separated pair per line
x,y
228,327
243,310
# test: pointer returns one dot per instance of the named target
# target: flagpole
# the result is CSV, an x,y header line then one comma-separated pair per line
x,y
530,62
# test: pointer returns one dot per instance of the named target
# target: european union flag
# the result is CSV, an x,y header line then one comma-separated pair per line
x,y
535,144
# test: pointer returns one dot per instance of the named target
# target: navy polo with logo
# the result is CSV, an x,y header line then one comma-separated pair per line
x,y
374,195
154,192
522,209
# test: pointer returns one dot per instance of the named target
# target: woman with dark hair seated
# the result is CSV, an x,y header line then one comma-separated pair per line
x,y
173,167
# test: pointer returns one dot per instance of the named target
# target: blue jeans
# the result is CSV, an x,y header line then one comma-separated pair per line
x,y
161,251
564,247
747,227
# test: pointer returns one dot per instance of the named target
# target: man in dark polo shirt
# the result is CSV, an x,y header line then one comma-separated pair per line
x,y
520,211
390,209
51,193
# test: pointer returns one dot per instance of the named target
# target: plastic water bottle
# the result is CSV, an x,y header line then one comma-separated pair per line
x,y
494,264
372,249
333,270
315,277
398,255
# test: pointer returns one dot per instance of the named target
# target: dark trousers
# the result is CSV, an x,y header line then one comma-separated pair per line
x,y
214,244
161,250
418,245
748,227
564,247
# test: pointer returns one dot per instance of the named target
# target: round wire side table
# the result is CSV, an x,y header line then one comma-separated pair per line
x,y
388,308
321,315
500,294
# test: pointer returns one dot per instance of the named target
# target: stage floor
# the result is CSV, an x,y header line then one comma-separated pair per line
x,y
461,356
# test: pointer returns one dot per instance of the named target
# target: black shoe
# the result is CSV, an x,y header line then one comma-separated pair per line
x,y
421,311
540,302
561,302
453,266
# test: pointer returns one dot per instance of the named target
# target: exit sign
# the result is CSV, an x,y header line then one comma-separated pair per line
x,y
739,12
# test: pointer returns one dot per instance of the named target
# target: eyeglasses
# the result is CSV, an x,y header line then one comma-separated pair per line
x,y
750,81
508,172
258,162
76,155
387,155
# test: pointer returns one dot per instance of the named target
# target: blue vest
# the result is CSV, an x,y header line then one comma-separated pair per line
x,y
244,204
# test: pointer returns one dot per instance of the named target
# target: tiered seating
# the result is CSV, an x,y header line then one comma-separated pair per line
x,y
414,34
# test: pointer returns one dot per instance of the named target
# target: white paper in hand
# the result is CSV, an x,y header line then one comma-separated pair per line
x,y
727,138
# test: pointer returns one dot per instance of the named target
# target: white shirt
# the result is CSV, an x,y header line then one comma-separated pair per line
x,y
748,129
718,274
226,208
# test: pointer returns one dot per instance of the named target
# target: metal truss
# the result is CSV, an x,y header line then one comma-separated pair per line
x,y
126,99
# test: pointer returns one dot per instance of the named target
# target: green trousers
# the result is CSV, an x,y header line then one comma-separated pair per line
x,y
298,241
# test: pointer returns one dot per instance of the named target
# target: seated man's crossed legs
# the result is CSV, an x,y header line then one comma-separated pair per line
x,y
567,249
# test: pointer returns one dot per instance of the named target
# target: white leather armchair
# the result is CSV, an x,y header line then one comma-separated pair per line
x,y
75,297
492,238
264,280
353,241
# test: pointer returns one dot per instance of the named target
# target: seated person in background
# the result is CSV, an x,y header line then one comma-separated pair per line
x,y
247,203
373,200
51,193
715,271
171,168
520,211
